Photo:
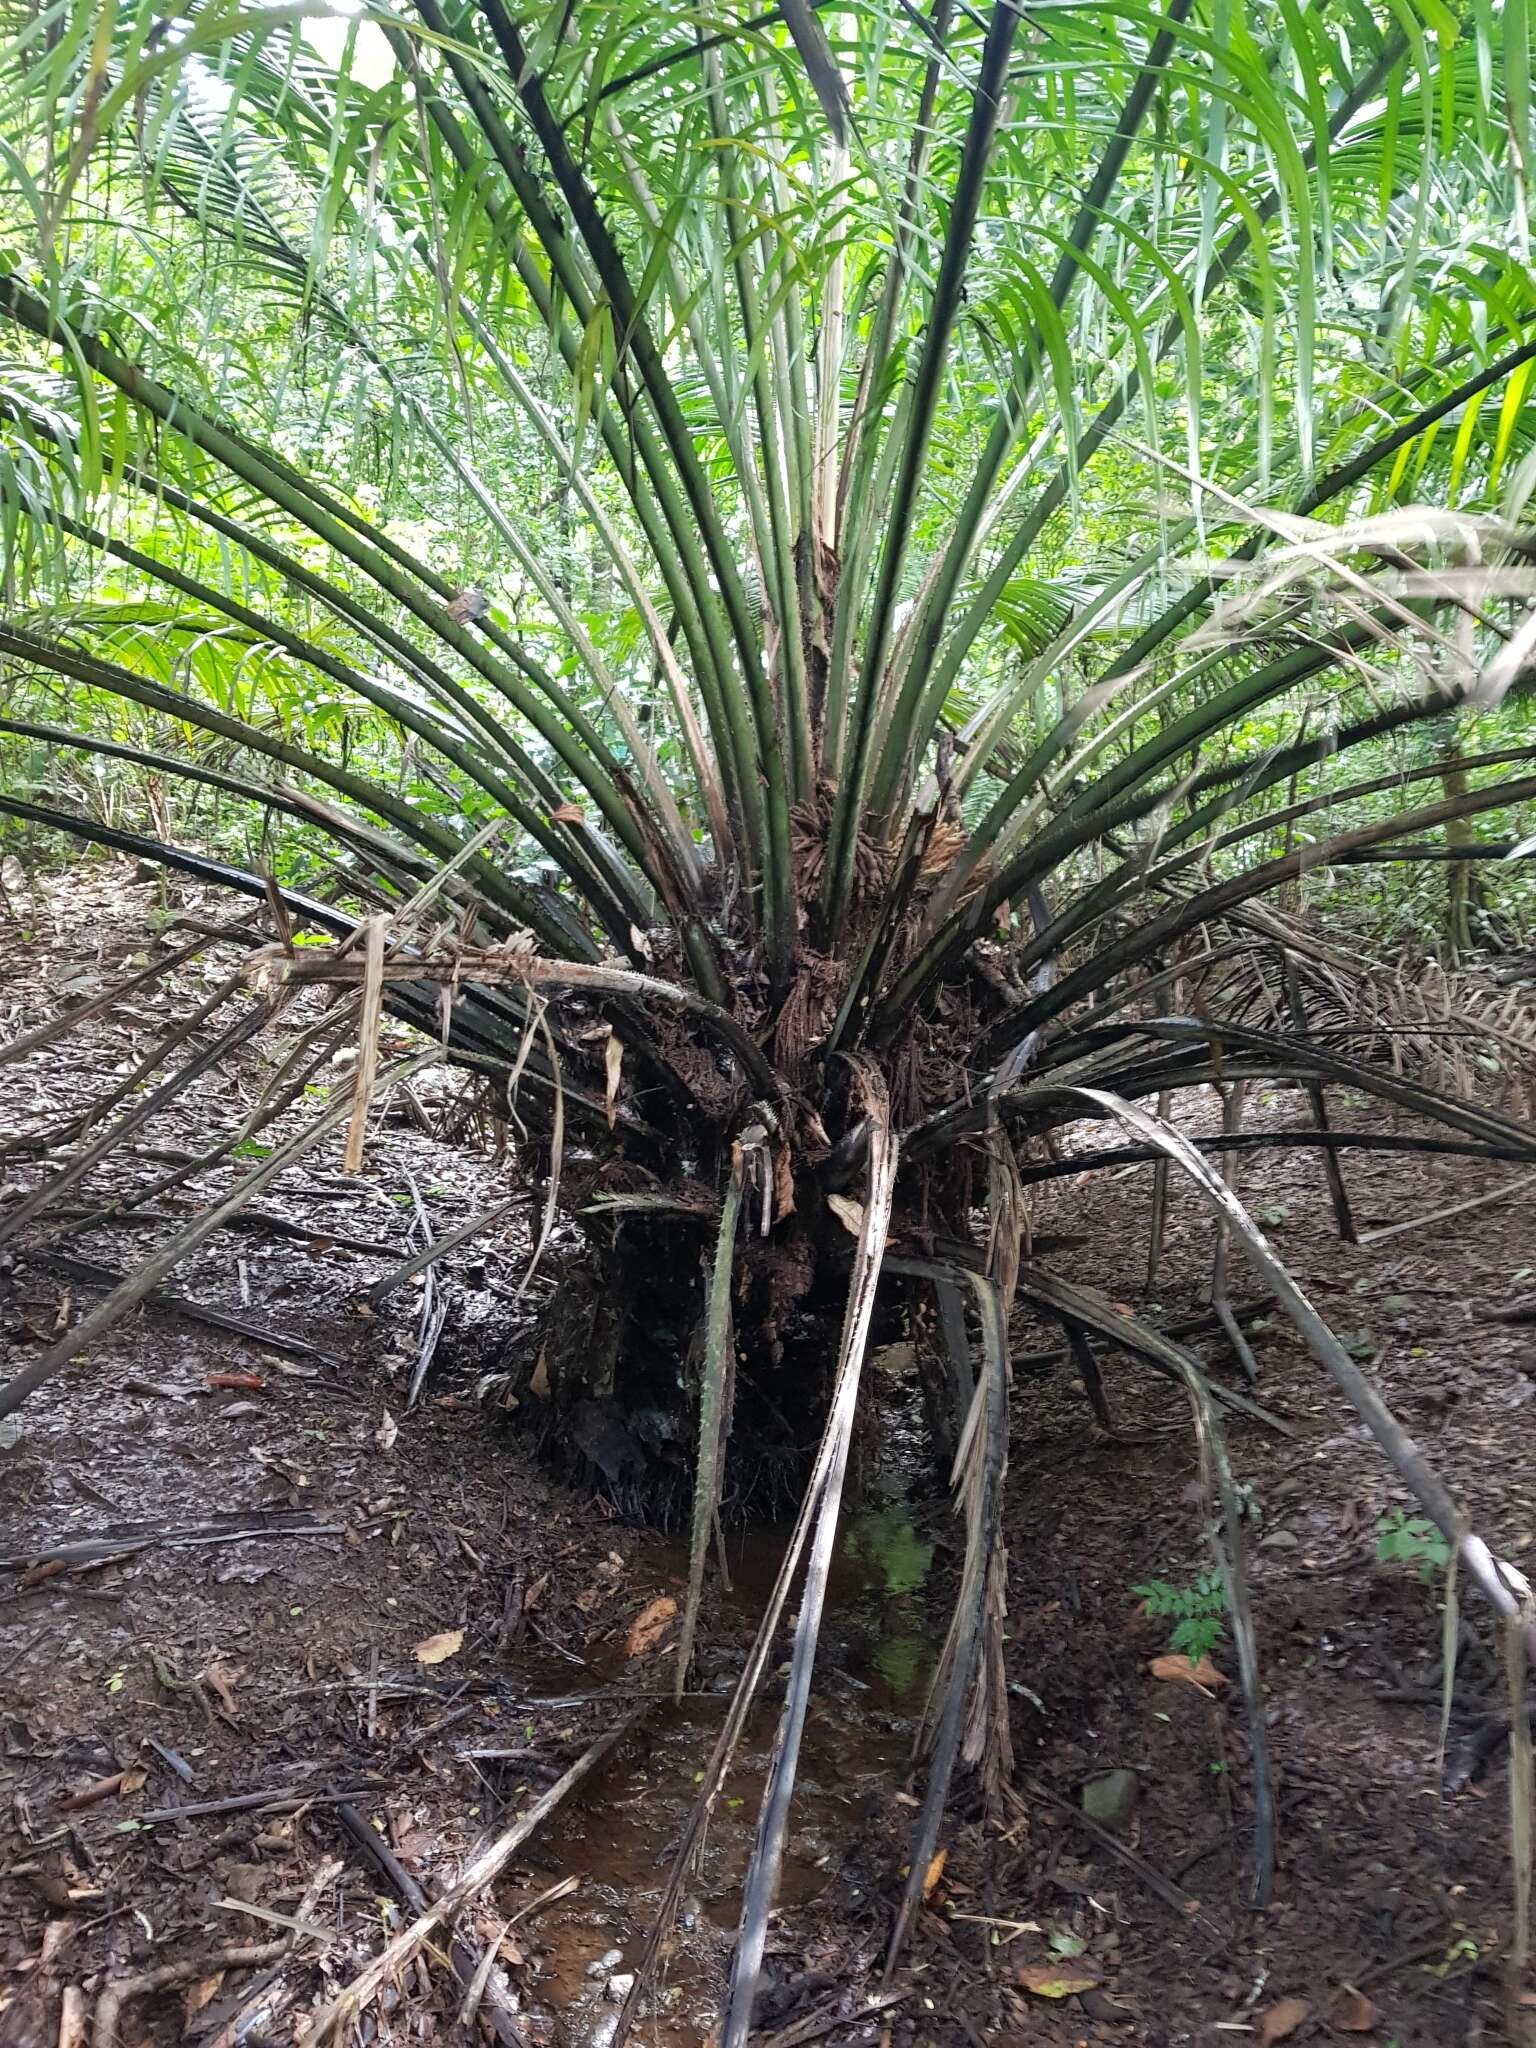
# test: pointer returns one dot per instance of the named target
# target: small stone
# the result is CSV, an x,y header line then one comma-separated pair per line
x,y
1279,1539
1110,1799
620,1985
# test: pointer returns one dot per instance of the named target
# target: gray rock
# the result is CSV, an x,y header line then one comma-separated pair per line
x,y
1110,1799
606,1963
620,1985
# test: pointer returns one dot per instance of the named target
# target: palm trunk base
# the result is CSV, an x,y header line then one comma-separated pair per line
x,y
610,1377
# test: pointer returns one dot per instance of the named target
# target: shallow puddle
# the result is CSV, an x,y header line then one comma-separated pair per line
x,y
874,1665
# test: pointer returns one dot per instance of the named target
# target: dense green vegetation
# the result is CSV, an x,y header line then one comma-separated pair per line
x,y
846,547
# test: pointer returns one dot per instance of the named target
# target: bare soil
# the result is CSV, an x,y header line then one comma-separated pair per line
x,y
271,1558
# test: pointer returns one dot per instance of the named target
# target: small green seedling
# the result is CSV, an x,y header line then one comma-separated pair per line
x,y
1195,1610
1402,1538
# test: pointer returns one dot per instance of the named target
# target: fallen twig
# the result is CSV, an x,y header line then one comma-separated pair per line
x,y
473,1974
434,1314
72,2018
1177,1901
440,1248
109,1136
1513,1187
155,1269
308,1929
88,1220
91,1795
98,1549
254,1332
119,1991
479,1984
239,929
480,1870
812,2025
282,1799
259,2009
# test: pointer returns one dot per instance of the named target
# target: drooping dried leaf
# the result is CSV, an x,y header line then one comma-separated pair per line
x,y
1281,2021
1054,1980
849,1213
1178,1670
439,1648
613,1067
650,1625
1351,2012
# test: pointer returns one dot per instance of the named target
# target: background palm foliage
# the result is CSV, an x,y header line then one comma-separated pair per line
x,y
848,546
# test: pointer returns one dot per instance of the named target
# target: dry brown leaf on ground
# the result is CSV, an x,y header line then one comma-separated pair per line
x,y
650,1625
56,1935
934,1872
439,1648
1178,1670
1281,2021
388,1429
1351,2012
1055,1980
202,1993
220,1680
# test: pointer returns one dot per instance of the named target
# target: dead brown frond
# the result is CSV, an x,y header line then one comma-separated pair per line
x,y
947,838
1453,1030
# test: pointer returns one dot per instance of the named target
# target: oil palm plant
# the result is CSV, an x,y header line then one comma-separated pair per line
x,y
846,549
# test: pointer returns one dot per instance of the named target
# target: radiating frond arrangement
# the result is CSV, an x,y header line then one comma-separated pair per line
x,y
905,522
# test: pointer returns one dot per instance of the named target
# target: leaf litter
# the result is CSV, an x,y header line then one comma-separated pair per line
x,y
1336,1730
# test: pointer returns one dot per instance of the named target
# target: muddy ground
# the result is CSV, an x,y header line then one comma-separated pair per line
x,y
277,1538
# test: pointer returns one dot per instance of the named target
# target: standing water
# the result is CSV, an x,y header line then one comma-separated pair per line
x,y
874,1663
